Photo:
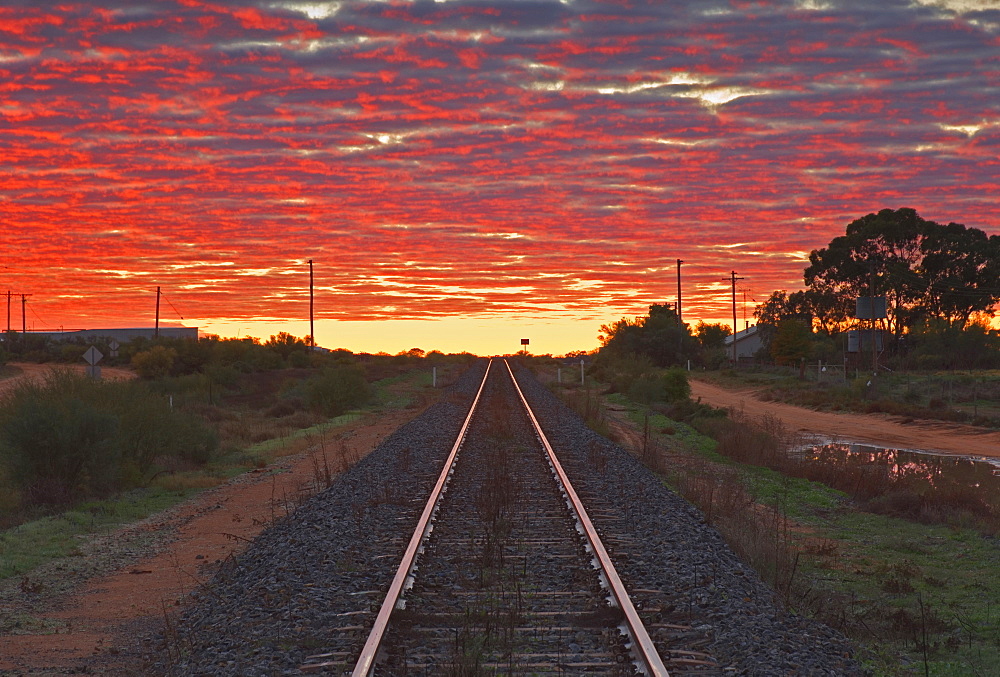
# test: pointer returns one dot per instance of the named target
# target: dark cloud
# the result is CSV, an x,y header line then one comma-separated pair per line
x,y
414,146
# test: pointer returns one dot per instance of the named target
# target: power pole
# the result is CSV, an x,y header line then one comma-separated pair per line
x,y
8,310
156,327
871,309
24,319
312,332
679,320
734,279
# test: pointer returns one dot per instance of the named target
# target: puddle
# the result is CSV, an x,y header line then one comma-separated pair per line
x,y
972,477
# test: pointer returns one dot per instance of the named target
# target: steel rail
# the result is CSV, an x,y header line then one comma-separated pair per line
x,y
648,658
366,661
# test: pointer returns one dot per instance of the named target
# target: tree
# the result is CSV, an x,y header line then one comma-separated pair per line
x,y
285,344
924,270
660,336
819,307
777,307
960,268
874,248
712,336
792,342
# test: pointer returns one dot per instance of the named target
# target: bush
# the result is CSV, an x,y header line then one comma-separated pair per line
x,y
621,371
670,386
55,447
71,437
336,389
156,362
675,385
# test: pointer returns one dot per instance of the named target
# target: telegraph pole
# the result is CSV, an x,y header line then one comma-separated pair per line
x,y
679,320
734,279
871,309
156,327
24,317
312,331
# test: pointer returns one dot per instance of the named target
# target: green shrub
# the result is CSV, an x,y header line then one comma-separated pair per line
x,y
646,389
336,389
71,437
670,386
71,352
156,362
621,371
675,385
55,446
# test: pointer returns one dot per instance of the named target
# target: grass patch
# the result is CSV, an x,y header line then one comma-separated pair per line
x,y
28,545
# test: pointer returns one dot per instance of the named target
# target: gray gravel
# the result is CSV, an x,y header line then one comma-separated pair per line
x,y
305,584
707,585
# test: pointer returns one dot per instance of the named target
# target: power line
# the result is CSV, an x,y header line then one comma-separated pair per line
x,y
171,305
37,317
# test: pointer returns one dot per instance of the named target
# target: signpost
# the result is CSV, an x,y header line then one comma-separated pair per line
x,y
524,345
92,357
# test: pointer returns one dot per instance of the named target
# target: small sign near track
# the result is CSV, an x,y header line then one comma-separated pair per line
x,y
92,357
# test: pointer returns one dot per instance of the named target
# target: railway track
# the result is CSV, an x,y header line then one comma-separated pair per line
x,y
505,572
504,582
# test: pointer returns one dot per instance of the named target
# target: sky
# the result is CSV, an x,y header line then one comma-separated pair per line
x,y
467,173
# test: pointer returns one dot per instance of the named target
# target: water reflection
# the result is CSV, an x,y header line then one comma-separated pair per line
x,y
931,476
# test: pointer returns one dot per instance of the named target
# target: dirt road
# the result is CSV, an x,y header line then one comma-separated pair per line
x,y
874,429
31,370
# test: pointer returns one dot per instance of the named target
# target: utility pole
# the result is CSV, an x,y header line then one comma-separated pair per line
x,y
679,320
734,279
8,310
24,320
156,327
871,309
312,331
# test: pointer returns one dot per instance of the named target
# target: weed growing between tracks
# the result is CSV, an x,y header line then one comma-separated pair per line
x,y
488,629
921,598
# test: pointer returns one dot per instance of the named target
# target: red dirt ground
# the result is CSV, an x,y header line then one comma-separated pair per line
x,y
875,429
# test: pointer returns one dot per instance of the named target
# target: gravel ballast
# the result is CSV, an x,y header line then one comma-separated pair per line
x,y
298,589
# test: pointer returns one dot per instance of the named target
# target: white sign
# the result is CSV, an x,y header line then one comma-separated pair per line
x,y
93,356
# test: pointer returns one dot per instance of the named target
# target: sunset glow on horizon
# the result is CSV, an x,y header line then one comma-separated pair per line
x,y
467,173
